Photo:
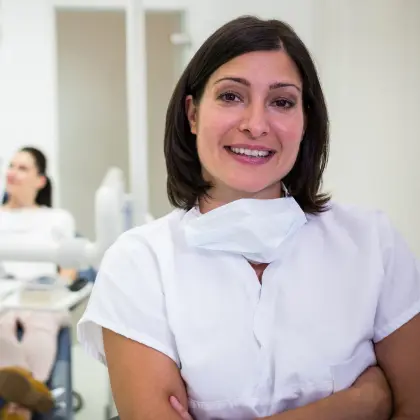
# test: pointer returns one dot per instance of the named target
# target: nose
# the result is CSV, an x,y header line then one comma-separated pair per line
x,y
254,122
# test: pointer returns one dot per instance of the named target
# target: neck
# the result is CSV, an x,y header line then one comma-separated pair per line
x,y
219,197
15,203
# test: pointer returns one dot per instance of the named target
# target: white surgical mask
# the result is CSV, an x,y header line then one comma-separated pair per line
x,y
253,228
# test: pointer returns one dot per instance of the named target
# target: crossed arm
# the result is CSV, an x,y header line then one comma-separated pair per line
x,y
399,358
368,399
144,380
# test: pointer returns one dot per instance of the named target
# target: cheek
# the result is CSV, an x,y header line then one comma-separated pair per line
x,y
21,177
17,178
202,150
24,180
210,133
290,132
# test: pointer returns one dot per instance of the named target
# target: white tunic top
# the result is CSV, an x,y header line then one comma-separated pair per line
x,y
245,349
36,226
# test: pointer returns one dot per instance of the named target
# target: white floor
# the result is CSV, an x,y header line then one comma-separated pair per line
x,y
90,380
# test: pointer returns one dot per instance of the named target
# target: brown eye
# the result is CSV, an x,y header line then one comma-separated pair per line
x,y
284,103
229,97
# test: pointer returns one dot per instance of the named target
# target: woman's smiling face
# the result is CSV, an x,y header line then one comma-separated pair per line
x,y
249,125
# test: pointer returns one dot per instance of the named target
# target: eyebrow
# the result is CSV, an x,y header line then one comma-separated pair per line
x,y
245,82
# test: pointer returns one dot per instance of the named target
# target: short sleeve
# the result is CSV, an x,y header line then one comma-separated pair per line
x,y
128,299
399,299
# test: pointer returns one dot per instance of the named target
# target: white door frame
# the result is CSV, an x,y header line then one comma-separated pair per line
x,y
136,83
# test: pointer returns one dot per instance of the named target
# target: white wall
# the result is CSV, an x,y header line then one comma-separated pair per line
x,y
27,85
370,68
92,106
206,16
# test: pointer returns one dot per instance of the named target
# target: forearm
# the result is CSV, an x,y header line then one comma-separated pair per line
x,y
351,404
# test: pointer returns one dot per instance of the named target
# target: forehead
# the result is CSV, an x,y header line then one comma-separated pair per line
x,y
260,67
24,158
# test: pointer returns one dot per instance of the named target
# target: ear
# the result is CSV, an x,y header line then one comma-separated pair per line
x,y
42,180
191,111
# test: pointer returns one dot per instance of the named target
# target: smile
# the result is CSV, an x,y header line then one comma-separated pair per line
x,y
250,152
250,155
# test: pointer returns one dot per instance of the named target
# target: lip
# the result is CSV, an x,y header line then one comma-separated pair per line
x,y
249,160
252,147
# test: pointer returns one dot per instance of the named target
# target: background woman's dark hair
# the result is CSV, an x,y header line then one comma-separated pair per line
x,y
44,196
246,34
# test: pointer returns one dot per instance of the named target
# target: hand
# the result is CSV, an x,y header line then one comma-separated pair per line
x,y
179,408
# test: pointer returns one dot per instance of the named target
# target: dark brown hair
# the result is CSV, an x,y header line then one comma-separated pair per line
x,y
185,183
44,196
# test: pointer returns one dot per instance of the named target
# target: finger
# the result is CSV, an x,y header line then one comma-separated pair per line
x,y
178,407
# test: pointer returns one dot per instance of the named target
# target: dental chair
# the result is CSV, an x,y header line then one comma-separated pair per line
x,y
60,383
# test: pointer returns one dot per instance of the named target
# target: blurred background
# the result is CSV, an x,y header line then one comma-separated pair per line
x,y
88,82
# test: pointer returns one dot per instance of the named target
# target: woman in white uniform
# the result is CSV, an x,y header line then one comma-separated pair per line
x,y
27,216
258,297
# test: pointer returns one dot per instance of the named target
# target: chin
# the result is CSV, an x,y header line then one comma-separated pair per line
x,y
10,190
256,189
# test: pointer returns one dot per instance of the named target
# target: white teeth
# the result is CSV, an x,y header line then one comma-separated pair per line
x,y
249,152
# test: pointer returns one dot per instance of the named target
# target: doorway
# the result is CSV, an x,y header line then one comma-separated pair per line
x,y
92,103
92,106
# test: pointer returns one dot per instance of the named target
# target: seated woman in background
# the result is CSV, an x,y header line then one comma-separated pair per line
x,y
27,216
